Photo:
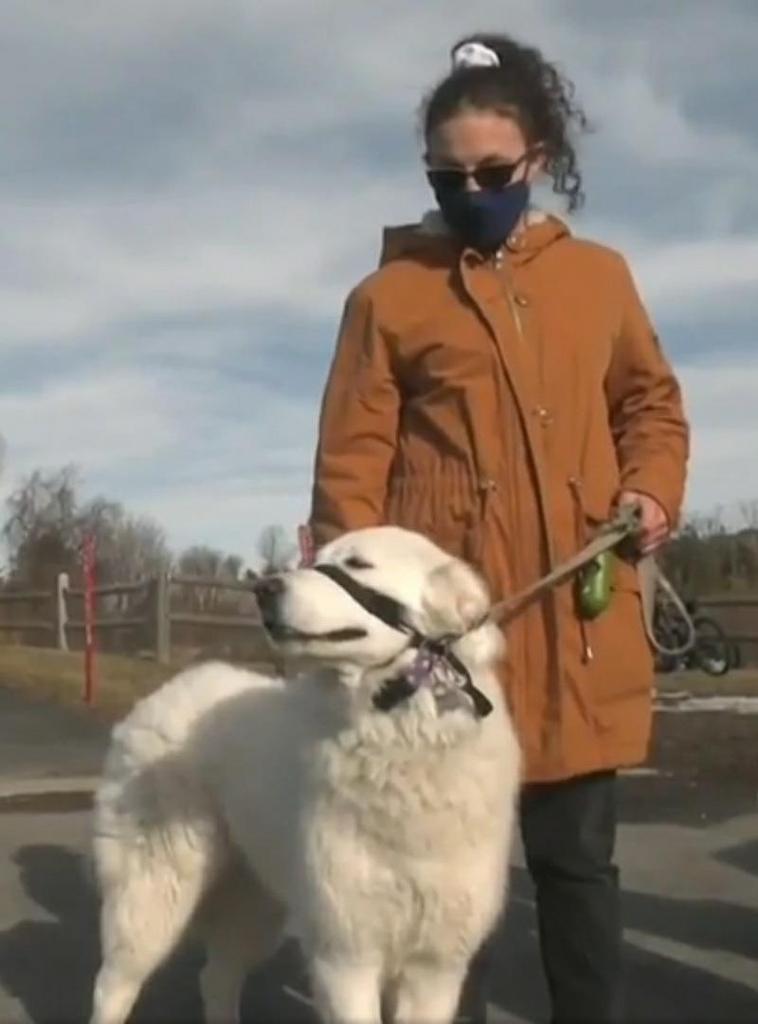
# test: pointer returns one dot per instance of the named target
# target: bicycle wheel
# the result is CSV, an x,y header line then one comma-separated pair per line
x,y
711,652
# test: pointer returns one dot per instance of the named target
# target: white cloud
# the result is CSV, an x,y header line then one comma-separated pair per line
x,y
721,403
174,164
209,450
195,251
647,123
681,277
99,418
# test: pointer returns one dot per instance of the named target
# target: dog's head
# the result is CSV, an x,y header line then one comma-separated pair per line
x,y
368,592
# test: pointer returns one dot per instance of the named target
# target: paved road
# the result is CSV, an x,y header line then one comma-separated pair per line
x,y
691,906
39,739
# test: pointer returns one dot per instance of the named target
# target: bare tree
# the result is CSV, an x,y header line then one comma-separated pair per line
x,y
749,514
127,547
208,563
40,530
46,527
200,560
275,550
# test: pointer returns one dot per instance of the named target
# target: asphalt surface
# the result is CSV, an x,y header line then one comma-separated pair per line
x,y
688,853
40,739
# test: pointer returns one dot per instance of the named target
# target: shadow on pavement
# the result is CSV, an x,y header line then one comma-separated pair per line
x,y
46,964
692,803
743,855
49,965
657,988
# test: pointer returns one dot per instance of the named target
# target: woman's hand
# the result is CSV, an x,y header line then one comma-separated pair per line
x,y
654,523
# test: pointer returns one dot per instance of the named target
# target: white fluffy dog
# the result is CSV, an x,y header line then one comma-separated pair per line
x,y
364,805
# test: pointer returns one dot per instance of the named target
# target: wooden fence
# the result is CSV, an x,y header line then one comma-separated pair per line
x,y
154,616
146,617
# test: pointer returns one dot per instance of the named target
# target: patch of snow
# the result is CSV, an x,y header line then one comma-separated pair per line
x,y
673,702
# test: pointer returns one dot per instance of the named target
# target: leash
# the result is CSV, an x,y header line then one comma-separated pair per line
x,y
621,527
437,665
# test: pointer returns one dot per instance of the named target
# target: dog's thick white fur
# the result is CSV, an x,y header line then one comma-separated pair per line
x,y
247,808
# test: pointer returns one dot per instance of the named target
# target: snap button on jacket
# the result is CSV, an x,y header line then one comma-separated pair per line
x,y
499,406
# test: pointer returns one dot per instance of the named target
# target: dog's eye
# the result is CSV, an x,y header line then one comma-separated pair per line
x,y
355,562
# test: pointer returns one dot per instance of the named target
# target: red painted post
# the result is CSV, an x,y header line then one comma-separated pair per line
x,y
305,542
88,565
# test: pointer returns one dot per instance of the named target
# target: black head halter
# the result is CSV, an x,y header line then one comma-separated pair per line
x,y
395,615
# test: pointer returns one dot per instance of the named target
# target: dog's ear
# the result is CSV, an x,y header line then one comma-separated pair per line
x,y
455,600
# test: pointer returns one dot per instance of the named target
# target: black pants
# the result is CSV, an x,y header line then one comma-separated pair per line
x,y
568,831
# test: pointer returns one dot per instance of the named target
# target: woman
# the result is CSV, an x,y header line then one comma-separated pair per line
x,y
498,386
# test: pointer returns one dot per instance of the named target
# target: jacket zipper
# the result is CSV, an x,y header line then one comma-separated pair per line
x,y
498,264
516,316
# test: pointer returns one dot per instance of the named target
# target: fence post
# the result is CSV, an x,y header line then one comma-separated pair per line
x,y
61,611
162,618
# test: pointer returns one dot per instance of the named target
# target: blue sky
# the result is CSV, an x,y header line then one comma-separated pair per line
x,y
190,188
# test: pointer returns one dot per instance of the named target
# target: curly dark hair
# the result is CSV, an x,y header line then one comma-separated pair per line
x,y
526,87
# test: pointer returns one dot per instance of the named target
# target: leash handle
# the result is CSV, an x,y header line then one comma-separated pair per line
x,y
651,581
623,525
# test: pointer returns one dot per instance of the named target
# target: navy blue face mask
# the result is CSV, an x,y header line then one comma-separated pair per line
x,y
483,219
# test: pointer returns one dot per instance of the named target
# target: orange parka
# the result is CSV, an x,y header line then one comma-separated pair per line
x,y
499,406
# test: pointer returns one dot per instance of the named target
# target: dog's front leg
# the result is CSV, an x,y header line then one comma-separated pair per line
x,y
426,993
346,993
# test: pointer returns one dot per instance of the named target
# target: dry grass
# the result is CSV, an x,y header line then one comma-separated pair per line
x,y
121,680
58,675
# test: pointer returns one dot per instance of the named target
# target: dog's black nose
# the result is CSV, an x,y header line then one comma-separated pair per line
x,y
268,589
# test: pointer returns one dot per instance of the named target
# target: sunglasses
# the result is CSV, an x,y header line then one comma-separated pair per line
x,y
491,177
